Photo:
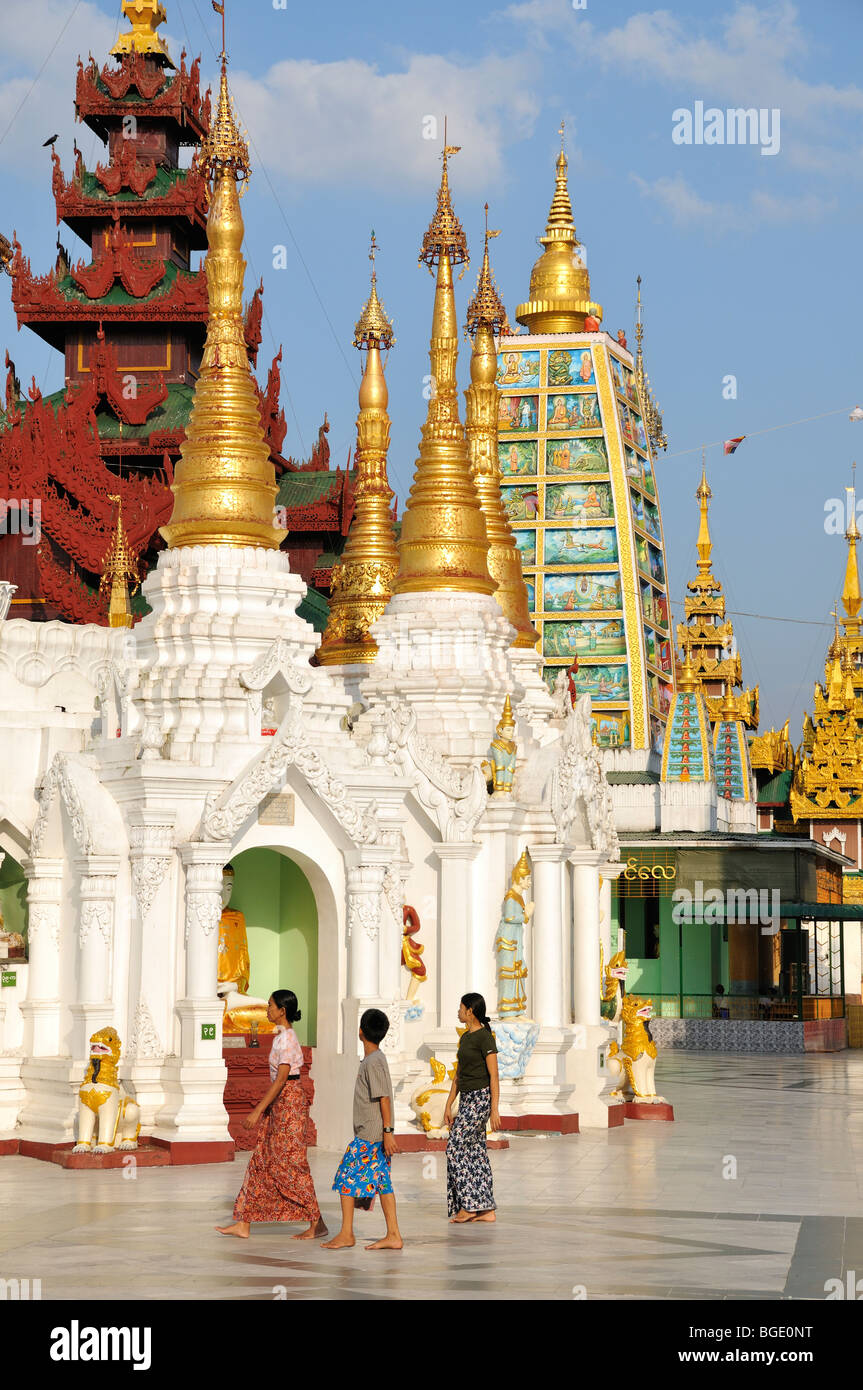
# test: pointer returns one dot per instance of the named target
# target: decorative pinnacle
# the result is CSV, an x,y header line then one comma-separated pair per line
x,y
486,306
704,545
373,325
445,235
561,223
224,148
652,413
851,597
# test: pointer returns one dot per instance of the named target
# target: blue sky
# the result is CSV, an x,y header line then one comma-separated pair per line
x,y
749,262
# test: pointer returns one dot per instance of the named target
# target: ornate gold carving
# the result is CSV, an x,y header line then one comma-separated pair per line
x,y
145,16
829,775
119,570
649,409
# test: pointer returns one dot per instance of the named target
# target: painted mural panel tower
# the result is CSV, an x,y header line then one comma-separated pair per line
x,y
577,431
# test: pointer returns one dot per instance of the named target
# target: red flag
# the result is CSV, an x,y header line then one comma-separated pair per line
x,y
220,9
731,444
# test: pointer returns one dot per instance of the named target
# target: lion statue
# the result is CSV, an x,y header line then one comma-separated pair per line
x,y
102,1098
634,1061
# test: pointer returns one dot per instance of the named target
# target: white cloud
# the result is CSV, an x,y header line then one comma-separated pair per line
x,y
687,209
347,121
31,29
753,57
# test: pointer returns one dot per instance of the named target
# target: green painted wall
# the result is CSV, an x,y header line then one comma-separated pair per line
x,y
13,896
705,955
277,901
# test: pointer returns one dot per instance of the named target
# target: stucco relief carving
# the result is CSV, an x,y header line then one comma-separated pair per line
x,y
455,799
578,777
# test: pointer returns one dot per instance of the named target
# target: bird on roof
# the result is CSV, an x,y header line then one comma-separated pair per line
x,y
50,141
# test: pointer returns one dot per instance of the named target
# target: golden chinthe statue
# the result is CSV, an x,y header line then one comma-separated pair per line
x,y
241,1008
105,1112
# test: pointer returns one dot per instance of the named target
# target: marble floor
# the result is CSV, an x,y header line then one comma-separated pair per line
x,y
756,1191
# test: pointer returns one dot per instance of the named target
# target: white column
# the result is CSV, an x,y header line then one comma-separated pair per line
x,y
366,869
41,1009
585,936
98,885
454,928
605,915
545,992
203,863
194,1082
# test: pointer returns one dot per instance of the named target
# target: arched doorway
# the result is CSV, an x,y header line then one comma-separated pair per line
x,y
278,903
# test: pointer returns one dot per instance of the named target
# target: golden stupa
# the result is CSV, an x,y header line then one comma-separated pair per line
x,y
486,318
559,292
225,484
119,570
362,581
443,542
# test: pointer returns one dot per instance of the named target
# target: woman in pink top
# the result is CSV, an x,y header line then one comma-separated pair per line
x,y
278,1183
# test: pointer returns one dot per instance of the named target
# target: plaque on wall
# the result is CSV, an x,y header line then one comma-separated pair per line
x,y
277,809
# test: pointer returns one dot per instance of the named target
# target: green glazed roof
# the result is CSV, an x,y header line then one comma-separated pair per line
x,y
777,789
302,489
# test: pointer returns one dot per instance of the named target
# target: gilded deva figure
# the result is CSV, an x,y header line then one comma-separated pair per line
x,y
509,944
499,766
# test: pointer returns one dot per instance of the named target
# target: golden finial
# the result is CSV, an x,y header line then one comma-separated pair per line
x,y
145,16
704,545
443,543
445,233
373,325
481,428
559,297
649,409
119,570
851,597
486,306
225,483
362,581
224,149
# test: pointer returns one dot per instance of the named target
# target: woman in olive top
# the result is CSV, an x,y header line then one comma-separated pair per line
x,y
468,1172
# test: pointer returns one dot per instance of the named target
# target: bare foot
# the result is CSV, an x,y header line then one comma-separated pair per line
x,y
312,1232
338,1242
461,1218
484,1216
239,1228
386,1243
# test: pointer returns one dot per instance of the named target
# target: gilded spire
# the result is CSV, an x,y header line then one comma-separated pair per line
x,y
362,581
851,588
119,570
559,297
704,545
649,409
486,304
145,16
225,483
481,409
706,634
443,541
373,325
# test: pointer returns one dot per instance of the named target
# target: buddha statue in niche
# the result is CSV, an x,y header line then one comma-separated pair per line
x,y
241,1009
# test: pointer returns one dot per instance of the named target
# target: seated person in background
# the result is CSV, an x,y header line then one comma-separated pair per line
x,y
720,1003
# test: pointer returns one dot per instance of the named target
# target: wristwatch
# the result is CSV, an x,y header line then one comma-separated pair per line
x,y
388,1129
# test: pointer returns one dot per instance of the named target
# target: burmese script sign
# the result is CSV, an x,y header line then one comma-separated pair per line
x,y
277,809
648,874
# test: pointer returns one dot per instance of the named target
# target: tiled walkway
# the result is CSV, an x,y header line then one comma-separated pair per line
x,y
643,1211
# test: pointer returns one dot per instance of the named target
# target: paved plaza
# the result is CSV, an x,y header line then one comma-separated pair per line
x,y
638,1212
